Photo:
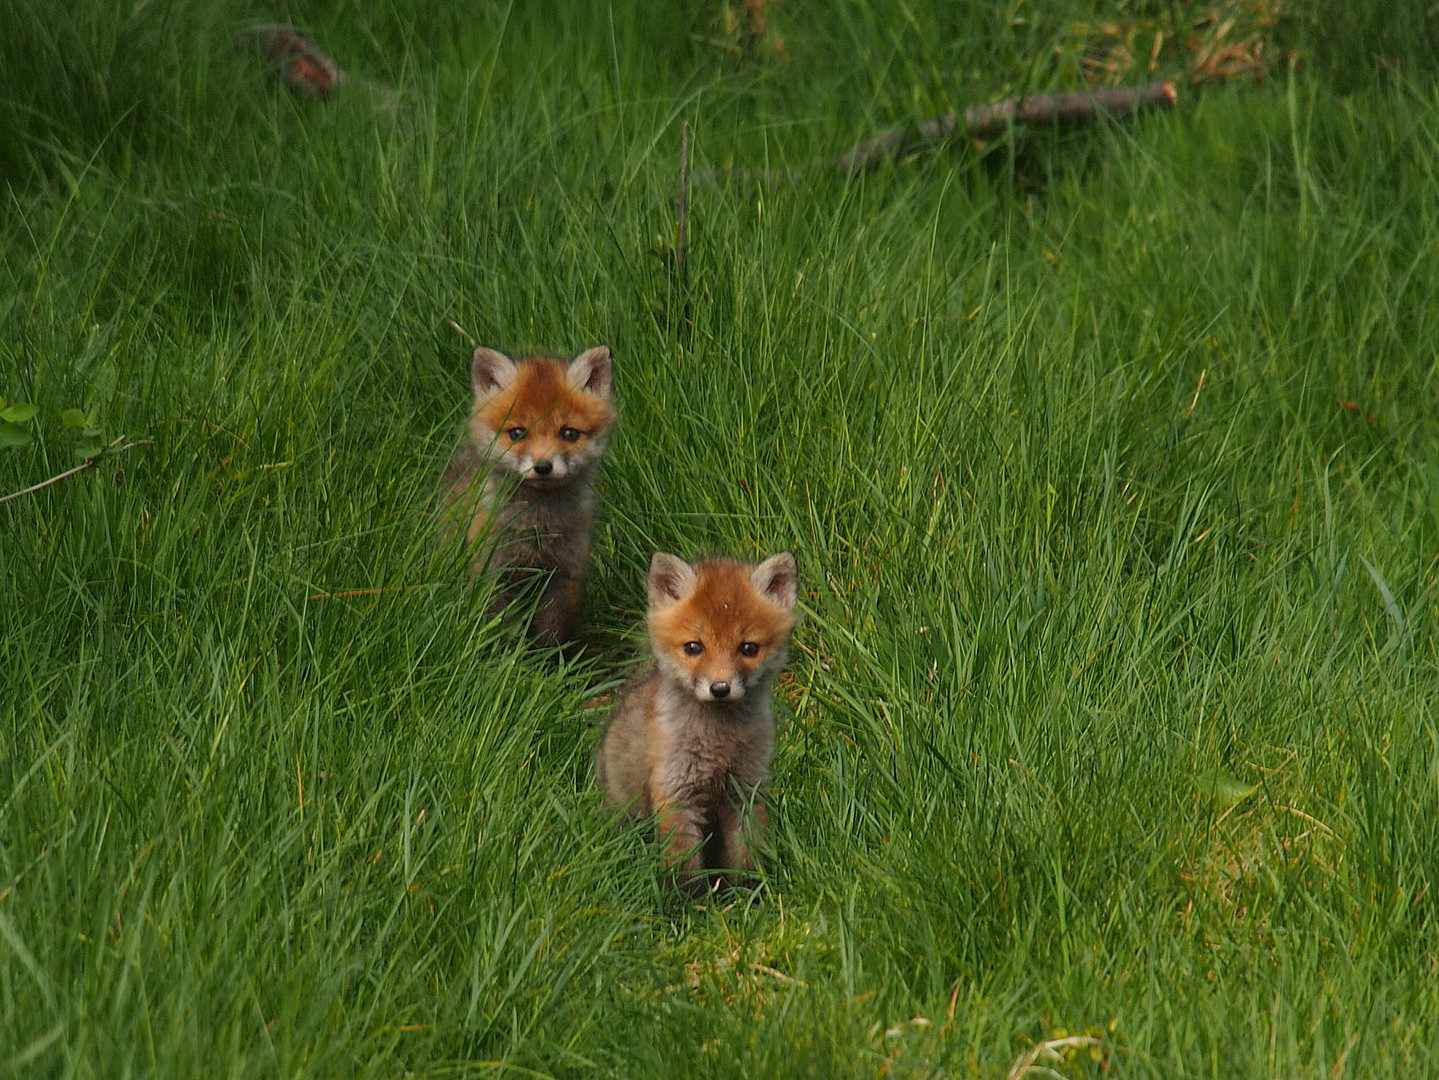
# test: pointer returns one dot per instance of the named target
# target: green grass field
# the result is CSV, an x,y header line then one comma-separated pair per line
x,y
1110,458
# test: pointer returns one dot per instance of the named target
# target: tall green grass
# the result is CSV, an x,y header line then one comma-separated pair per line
x,y
1109,459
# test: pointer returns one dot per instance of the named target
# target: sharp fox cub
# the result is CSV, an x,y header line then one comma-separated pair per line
x,y
693,733
526,473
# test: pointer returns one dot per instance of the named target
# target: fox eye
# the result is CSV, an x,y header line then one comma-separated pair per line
x,y
693,648
516,434
748,648
570,434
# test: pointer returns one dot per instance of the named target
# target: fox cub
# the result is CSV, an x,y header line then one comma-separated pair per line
x,y
692,735
526,473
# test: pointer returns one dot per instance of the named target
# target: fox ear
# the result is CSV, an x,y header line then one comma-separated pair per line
x,y
671,579
491,372
777,578
591,371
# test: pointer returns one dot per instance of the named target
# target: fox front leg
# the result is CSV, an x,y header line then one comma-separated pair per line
x,y
557,615
684,847
741,824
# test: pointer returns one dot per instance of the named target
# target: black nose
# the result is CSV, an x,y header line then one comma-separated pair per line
x,y
719,689
543,468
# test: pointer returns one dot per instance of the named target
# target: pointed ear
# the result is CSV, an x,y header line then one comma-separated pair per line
x,y
591,371
777,578
491,372
671,579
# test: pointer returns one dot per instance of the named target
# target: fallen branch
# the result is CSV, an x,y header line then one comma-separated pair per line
x,y
89,463
1070,109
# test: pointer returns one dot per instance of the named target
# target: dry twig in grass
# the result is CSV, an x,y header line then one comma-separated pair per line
x,y
89,463
350,593
1050,1050
682,225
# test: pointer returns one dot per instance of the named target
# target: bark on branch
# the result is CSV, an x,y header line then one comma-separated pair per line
x,y
1071,109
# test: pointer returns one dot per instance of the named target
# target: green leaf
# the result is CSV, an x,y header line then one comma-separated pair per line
x,y
13,434
87,450
19,413
73,418
90,431
1222,788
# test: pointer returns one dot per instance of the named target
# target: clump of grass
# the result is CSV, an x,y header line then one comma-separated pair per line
x,y
1107,743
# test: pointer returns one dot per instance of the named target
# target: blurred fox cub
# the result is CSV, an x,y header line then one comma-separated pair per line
x,y
692,735
525,475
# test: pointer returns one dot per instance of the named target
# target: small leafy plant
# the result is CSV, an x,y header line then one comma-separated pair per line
x,y
89,431
13,418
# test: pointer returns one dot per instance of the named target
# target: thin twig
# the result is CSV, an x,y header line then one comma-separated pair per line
x,y
1195,399
765,969
1325,829
457,328
682,251
89,463
1049,1050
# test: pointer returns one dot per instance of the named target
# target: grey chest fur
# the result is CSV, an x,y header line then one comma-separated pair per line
x,y
547,529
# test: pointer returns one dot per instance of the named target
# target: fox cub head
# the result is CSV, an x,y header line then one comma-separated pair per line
x,y
541,419
721,628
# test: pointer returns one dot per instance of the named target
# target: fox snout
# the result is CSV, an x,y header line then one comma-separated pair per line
x,y
539,465
719,686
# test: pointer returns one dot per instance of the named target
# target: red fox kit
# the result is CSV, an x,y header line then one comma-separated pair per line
x,y
526,473
693,733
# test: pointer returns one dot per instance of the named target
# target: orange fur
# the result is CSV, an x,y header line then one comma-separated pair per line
x,y
723,610
526,487
542,402
691,737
